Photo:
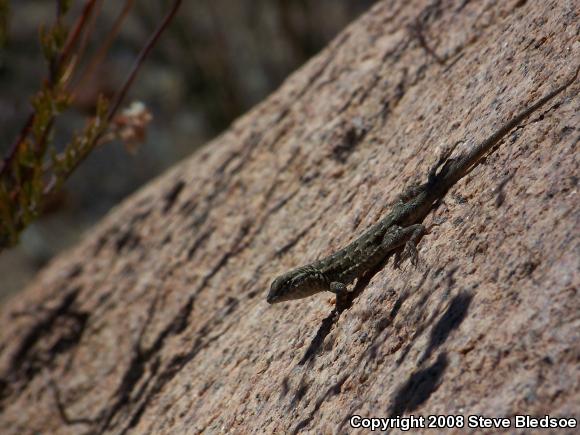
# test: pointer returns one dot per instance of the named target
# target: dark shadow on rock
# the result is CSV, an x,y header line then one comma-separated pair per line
x,y
331,391
420,312
373,350
318,339
419,387
343,303
450,320
299,394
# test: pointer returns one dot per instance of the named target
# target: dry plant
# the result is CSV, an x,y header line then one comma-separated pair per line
x,y
33,170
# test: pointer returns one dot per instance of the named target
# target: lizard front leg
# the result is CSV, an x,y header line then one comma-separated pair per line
x,y
341,292
407,236
338,288
410,250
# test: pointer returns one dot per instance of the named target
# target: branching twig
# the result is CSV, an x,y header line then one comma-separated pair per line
x,y
144,52
127,84
75,34
97,59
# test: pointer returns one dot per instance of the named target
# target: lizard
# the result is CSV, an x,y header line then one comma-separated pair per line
x,y
401,228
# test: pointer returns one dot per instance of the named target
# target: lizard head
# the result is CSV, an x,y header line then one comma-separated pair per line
x,y
296,284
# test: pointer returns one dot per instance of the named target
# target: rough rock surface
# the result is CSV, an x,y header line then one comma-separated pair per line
x,y
157,323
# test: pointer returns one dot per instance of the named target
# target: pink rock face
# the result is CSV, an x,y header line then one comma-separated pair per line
x,y
157,322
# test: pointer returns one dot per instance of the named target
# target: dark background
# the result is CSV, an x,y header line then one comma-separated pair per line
x,y
216,60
